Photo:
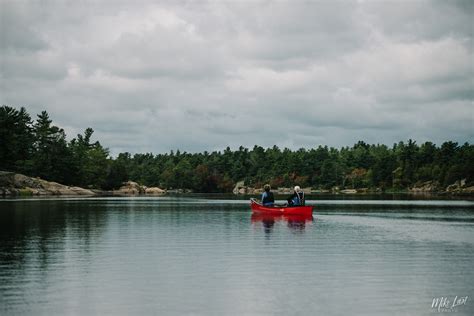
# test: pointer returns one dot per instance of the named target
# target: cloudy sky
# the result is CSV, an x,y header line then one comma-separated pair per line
x,y
195,76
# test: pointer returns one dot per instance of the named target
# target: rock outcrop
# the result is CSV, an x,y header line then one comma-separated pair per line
x,y
284,190
459,187
133,188
19,184
456,186
154,191
241,188
130,188
348,191
427,186
468,190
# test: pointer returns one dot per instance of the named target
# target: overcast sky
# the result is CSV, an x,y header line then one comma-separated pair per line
x,y
195,76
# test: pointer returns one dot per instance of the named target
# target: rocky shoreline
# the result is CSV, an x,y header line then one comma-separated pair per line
x,y
14,184
428,187
133,188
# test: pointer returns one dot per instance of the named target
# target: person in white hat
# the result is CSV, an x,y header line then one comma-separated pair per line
x,y
297,198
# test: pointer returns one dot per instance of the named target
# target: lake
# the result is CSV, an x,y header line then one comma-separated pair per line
x,y
207,255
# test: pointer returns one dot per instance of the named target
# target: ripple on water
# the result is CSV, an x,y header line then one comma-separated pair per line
x,y
208,256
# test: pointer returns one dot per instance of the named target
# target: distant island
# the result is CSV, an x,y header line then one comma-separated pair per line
x,y
39,150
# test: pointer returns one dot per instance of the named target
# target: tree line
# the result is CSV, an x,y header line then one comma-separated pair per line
x,y
40,149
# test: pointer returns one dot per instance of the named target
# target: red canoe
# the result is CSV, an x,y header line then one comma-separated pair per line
x,y
283,210
263,217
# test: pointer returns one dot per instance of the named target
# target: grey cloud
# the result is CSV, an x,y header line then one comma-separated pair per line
x,y
17,33
32,66
421,20
204,75
310,31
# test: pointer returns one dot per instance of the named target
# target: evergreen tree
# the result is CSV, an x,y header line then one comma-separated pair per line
x,y
16,139
90,161
51,155
40,149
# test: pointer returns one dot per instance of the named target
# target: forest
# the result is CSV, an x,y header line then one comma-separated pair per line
x,y
38,148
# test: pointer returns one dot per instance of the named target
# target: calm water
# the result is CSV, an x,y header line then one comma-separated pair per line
x,y
208,256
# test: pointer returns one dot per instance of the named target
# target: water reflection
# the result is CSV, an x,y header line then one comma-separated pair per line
x,y
37,236
148,256
296,223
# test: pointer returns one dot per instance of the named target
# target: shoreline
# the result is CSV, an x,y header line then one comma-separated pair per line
x,y
18,185
230,196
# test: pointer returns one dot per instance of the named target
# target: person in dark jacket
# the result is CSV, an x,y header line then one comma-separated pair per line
x,y
297,198
267,196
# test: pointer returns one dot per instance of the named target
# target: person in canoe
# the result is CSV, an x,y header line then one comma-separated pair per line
x,y
297,198
267,196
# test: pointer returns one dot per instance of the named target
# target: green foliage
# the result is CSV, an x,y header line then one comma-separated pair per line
x,y
362,166
40,149
50,152
90,161
116,173
16,139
